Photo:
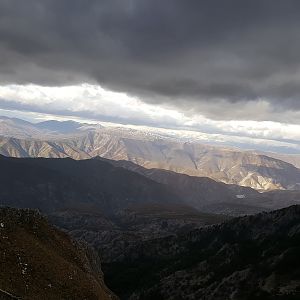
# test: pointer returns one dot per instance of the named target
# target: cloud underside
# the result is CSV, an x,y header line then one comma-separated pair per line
x,y
93,103
222,59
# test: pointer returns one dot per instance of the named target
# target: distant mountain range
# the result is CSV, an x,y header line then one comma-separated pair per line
x,y
150,150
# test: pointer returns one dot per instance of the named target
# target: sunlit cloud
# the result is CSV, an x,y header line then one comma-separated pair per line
x,y
93,103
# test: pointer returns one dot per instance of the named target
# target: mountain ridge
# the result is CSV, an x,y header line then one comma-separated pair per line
x,y
151,150
107,186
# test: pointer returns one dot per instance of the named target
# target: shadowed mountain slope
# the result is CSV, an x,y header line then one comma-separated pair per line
x,y
208,195
58,184
253,257
105,186
195,191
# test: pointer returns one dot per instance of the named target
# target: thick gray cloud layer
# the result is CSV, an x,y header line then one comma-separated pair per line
x,y
192,54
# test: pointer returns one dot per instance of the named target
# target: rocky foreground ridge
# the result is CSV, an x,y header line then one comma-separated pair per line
x,y
38,261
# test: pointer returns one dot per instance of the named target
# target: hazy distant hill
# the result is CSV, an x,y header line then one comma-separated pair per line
x,y
293,159
81,141
14,127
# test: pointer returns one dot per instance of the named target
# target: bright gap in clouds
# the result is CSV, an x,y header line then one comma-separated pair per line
x,y
92,103
87,101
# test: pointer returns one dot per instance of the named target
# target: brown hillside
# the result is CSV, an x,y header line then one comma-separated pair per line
x,y
38,261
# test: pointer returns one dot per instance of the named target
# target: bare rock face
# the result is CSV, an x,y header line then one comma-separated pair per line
x,y
40,262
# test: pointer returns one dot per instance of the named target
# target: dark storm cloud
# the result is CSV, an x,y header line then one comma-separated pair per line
x,y
164,51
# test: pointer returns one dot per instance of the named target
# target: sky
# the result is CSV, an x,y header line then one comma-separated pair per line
x,y
230,68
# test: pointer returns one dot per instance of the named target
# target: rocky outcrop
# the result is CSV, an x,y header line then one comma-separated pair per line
x,y
40,262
